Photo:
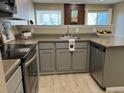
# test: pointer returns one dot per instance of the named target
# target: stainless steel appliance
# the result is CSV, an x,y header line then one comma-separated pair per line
x,y
7,9
8,6
28,56
30,72
97,60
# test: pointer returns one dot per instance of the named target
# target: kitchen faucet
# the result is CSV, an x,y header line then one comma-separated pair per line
x,y
69,35
68,31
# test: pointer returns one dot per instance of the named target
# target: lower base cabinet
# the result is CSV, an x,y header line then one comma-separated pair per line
x,y
56,58
79,60
47,60
63,60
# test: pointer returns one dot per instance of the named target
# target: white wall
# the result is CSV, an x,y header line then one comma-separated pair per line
x,y
118,18
97,7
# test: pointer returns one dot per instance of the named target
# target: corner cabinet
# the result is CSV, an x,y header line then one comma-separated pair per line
x,y
56,58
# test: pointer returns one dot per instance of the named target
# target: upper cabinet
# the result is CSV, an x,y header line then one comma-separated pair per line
x,y
22,9
74,14
25,10
31,15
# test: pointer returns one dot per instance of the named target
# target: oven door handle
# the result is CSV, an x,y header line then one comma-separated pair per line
x,y
30,61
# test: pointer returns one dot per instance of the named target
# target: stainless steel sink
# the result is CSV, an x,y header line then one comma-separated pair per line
x,y
69,37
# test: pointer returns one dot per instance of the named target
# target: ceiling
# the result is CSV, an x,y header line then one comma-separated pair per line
x,y
78,1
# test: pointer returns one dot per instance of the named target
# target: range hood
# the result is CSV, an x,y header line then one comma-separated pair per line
x,y
5,8
7,11
8,16
11,18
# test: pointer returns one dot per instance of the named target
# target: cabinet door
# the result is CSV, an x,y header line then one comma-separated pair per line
x,y
31,12
47,60
20,88
22,12
79,60
63,60
22,9
19,10
25,9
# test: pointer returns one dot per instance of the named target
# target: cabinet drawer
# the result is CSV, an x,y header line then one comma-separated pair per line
x,y
81,45
46,45
62,45
77,45
14,81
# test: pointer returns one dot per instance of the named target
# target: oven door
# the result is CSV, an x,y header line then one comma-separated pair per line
x,y
30,72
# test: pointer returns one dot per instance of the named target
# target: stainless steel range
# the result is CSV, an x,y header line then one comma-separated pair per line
x,y
28,56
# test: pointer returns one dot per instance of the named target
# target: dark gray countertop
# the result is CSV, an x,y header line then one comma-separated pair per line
x,y
106,42
10,66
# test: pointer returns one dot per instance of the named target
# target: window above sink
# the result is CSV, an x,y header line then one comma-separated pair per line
x,y
48,17
98,17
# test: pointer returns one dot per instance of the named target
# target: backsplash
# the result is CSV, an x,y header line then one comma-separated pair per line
x,y
52,30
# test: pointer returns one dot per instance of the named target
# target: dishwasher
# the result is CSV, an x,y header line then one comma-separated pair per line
x,y
97,60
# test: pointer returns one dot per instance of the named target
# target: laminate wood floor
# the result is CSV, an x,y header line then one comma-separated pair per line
x,y
69,83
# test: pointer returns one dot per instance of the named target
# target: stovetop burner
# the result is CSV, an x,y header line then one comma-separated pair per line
x,y
13,51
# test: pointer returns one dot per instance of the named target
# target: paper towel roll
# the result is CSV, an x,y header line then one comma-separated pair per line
x,y
71,44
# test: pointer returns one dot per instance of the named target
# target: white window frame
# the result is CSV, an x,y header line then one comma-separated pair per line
x,y
49,10
109,17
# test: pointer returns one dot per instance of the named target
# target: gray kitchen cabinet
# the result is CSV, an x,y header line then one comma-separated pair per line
x,y
72,61
47,60
20,88
63,60
106,65
79,60
55,57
